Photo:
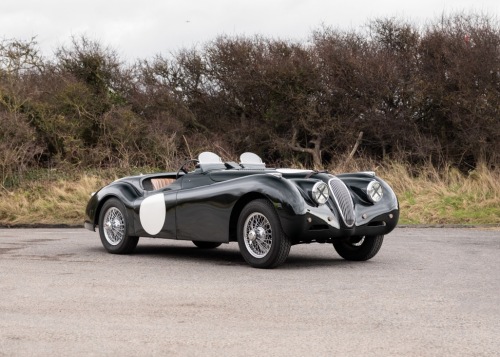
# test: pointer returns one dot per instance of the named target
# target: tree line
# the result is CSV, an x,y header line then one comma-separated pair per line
x,y
400,92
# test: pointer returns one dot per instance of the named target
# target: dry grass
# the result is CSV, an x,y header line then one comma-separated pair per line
x,y
48,202
447,196
431,196
426,197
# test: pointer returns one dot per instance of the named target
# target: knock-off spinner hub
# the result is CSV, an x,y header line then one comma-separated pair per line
x,y
258,233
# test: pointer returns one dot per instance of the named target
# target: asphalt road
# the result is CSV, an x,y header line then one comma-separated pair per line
x,y
429,292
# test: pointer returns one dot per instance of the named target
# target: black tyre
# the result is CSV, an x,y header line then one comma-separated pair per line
x,y
113,228
359,248
262,242
206,245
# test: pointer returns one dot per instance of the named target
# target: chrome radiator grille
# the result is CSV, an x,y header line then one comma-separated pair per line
x,y
343,199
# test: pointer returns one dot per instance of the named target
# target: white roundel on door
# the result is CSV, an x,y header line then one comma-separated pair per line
x,y
152,213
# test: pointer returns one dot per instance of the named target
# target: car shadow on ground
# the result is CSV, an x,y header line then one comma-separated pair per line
x,y
228,255
214,256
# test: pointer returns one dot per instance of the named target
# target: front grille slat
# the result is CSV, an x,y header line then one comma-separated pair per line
x,y
343,199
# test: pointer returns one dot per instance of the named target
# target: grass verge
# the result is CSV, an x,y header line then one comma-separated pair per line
x,y
426,197
61,201
446,196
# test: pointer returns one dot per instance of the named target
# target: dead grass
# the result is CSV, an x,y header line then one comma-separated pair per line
x,y
48,202
446,196
428,196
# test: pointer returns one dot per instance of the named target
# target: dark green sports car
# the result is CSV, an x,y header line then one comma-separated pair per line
x,y
265,210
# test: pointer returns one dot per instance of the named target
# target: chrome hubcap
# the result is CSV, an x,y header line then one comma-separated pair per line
x,y
114,226
258,235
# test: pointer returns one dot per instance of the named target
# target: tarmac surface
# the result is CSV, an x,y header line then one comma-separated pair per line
x,y
429,292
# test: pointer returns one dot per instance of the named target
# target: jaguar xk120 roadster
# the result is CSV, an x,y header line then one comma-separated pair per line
x,y
265,210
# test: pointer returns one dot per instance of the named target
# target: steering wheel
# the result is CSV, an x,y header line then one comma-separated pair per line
x,y
183,167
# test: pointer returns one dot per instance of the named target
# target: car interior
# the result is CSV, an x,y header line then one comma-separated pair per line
x,y
207,161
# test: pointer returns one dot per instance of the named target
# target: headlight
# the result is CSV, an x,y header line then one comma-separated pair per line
x,y
320,193
374,191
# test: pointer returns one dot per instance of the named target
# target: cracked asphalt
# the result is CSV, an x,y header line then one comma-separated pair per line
x,y
429,292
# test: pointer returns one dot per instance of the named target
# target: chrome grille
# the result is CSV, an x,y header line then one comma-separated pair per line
x,y
343,199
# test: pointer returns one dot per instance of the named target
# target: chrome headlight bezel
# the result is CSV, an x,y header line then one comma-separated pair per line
x,y
320,193
374,191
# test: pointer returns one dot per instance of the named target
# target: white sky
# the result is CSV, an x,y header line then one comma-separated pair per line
x,y
141,29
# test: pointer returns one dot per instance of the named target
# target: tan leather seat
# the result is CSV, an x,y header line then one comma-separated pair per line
x,y
161,182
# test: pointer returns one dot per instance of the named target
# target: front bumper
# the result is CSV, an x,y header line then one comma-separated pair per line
x,y
310,227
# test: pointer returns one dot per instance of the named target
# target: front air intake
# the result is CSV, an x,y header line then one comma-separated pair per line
x,y
343,199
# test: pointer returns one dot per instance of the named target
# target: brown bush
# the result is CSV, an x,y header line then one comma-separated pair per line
x,y
19,149
430,95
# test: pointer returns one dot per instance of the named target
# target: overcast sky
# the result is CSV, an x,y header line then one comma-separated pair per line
x,y
141,29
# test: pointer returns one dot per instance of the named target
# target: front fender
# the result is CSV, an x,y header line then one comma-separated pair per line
x,y
366,211
123,191
282,192
204,213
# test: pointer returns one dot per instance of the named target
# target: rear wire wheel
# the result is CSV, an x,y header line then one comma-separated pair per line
x,y
113,228
359,248
261,240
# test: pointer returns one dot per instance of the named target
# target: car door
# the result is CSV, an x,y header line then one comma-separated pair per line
x,y
203,210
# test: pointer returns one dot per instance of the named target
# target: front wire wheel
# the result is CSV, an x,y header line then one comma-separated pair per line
x,y
261,240
113,228
258,235
359,248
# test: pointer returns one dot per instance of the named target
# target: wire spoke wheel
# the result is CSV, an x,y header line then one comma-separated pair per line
x,y
358,242
114,226
359,248
258,235
261,239
114,229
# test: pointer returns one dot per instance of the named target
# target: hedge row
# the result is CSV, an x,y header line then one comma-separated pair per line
x,y
427,94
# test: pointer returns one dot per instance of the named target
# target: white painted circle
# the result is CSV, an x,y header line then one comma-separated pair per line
x,y
152,213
